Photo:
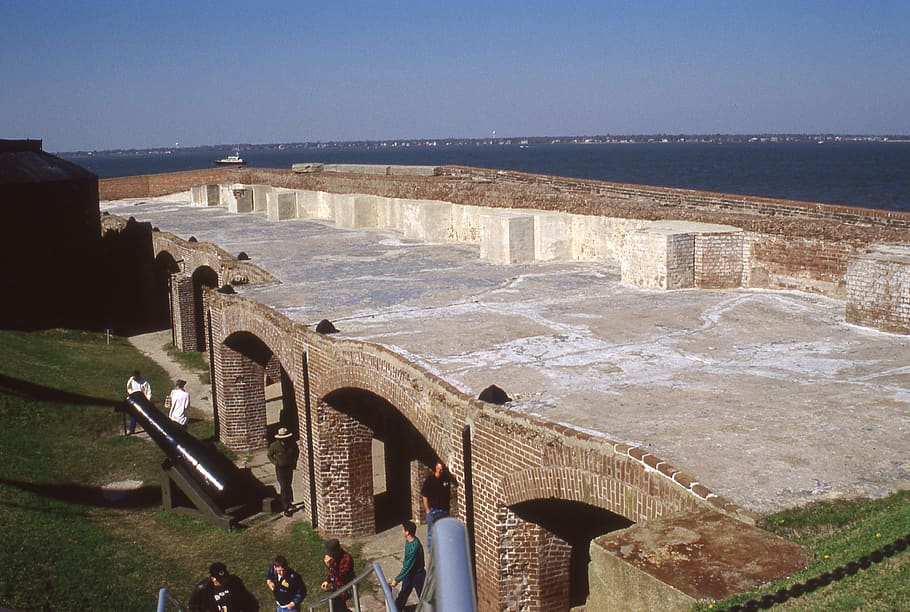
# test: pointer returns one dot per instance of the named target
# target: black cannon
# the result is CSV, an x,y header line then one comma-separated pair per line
x,y
196,478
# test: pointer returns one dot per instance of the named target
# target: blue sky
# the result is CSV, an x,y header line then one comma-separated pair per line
x,y
125,74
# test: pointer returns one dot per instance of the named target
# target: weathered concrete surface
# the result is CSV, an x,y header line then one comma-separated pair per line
x,y
672,563
768,397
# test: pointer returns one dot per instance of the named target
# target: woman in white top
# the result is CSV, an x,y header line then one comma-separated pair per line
x,y
179,403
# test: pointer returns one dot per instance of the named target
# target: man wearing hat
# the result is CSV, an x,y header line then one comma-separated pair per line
x,y
283,453
178,403
221,592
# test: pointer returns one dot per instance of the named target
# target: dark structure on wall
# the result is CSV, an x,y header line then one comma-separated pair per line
x,y
50,239
59,269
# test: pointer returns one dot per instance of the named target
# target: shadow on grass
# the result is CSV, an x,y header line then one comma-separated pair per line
x,y
98,497
23,388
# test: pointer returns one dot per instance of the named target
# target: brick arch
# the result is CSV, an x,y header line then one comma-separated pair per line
x,y
273,329
559,482
436,428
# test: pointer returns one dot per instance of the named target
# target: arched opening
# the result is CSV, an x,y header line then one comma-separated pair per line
x,y
204,279
575,524
399,454
269,379
160,302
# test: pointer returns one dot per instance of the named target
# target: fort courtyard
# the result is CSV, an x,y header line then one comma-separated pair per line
x,y
667,355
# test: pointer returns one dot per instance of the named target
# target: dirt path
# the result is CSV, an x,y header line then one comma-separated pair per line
x,y
386,547
152,346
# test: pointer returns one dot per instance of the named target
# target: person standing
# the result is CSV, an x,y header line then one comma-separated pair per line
x,y
286,585
340,567
178,403
133,384
413,571
283,453
221,592
436,494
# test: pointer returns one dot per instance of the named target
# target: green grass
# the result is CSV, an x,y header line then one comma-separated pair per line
x,y
834,534
191,360
62,545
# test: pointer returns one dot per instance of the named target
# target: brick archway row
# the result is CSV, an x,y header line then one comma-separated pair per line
x,y
513,457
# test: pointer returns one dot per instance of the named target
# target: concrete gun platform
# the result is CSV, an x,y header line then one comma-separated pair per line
x,y
767,397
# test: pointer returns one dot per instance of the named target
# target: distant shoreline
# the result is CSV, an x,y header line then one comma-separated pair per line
x,y
516,141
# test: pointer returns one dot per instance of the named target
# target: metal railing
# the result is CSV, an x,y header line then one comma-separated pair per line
x,y
449,586
353,586
165,598
450,580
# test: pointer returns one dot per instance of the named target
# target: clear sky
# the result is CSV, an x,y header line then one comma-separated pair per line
x,y
92,74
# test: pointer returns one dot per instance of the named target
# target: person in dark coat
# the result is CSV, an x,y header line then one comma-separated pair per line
x,y
222,592
340,566
283,453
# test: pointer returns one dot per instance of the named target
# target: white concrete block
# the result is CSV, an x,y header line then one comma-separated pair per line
x,y
354,211
426,220
282,204
307,204
199,196
661,255
212,195
227,195
506,237
242,200
552,236
388,212
261,197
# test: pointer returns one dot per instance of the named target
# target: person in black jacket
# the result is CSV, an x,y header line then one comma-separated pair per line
x,y
283,453
221,592
286,585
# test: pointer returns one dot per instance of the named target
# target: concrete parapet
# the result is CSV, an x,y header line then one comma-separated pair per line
x,y
662,564
281,204
355,210
199,195
308,204
507,237
426,220
552,236
211,195
388,212
466,223
590,240
261,197
878,288
227,195
242,200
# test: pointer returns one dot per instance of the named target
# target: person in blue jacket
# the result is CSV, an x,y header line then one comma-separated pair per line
x,y
286,585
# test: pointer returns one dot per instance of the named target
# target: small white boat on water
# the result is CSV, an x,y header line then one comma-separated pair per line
x,y
231,160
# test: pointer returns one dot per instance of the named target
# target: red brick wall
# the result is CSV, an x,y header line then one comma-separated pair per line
x,y
515,458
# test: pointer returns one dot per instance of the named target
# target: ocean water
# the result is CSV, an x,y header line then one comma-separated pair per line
x,y
865,174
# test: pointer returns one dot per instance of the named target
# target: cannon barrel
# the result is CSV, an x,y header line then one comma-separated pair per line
x,y
224,483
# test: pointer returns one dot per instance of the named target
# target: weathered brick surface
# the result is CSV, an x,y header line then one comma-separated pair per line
x,y
878,289
515,458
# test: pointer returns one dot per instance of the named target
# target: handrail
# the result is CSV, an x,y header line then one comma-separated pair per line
x,y
352,585
165,597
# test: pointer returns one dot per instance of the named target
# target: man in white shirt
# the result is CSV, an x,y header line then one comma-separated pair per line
x,y
134,384
179,403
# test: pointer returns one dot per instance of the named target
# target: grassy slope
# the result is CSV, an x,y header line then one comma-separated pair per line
x,y
63,546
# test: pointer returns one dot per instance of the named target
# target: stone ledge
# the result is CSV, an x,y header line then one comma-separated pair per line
x,y
675,562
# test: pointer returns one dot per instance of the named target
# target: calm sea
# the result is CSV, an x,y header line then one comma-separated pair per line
x,y
867,174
